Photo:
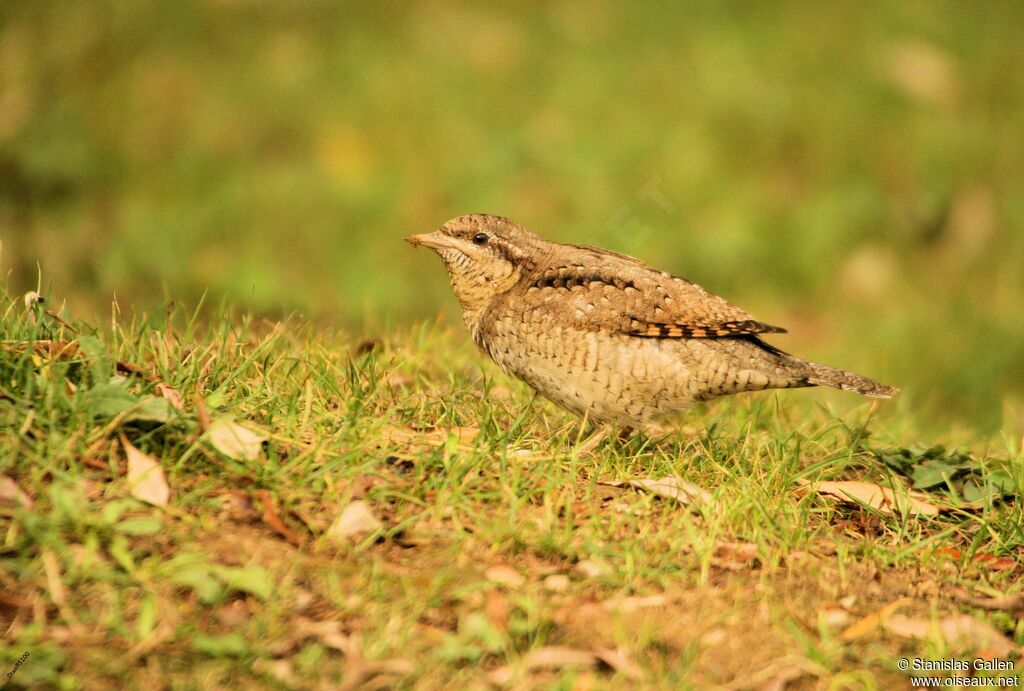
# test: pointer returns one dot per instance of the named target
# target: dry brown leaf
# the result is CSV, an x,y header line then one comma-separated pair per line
x,y
436,437
996,563
781,676
872,622
355,519
589,568
552,657
10,493
237,442
504,575
360,672
1010,603
834,617
557,657
881,498
170,393
327,632
735,556
620,662
668,487
633,603
399,380
557,583
960,631
146,481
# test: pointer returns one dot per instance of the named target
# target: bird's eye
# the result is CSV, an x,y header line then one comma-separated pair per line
x,y
480,239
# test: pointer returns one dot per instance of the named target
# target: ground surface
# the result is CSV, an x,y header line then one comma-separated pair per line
x,y
496,555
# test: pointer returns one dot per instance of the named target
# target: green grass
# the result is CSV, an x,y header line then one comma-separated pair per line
x,y
467,472
851,173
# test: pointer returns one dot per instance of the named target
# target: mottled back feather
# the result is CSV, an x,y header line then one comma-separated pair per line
x,y
610,291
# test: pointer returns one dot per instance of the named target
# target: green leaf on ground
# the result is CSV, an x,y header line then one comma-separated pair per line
x,y
935,468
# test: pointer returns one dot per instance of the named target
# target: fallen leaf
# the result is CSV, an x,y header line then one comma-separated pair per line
x,y
781,677
632,604
872,622
399,380
975,634
433,437
504,575
557,583
556,657
877,497
735,556
358,671
114,398
552,657
10,493
327,632
592,569
1010,603
620,662
996,563
667,487
834,617
170,393
714,638
152,409
961,631
146,481
355,519
235,441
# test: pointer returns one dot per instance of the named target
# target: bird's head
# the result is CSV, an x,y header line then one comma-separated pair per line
x,y
485,256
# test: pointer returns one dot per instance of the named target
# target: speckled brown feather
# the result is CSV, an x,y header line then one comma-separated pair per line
x,y
603,334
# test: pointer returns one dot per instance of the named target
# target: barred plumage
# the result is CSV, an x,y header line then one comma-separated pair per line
x,y
605,335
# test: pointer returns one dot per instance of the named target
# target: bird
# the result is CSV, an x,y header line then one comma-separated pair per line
x,y
606,336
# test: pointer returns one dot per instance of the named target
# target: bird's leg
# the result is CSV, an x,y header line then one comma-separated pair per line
x,y
602,433
626,433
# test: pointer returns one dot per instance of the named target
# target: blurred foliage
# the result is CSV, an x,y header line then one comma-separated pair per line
x,y
851,171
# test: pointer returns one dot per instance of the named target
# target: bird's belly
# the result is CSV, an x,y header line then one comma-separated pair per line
x,y
607,377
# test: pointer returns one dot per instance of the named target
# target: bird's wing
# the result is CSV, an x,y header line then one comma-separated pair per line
x,y
608,291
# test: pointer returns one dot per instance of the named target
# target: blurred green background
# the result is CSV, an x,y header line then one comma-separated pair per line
x,y
853,171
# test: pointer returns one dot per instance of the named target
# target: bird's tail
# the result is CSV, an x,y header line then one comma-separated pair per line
x,y
823,375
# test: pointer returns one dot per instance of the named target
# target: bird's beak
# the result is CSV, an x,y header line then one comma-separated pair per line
x,y
435,240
